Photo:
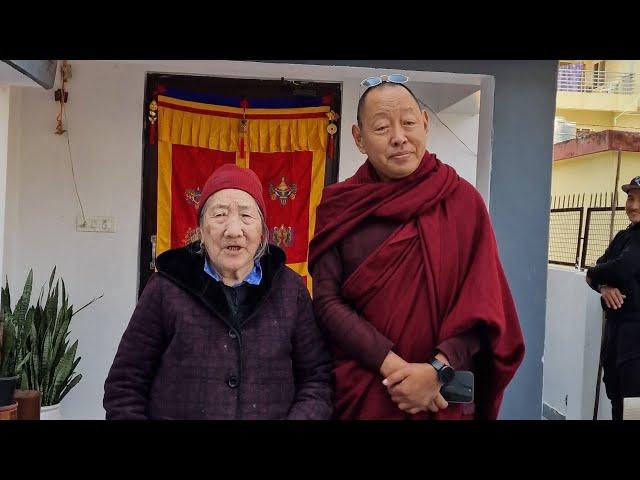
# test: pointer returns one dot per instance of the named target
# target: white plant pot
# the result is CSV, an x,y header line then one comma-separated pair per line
x,y
51,412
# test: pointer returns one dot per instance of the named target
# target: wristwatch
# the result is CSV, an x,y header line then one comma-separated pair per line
x,y
445,372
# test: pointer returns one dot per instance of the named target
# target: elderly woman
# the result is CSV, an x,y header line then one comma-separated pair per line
x,y
224,330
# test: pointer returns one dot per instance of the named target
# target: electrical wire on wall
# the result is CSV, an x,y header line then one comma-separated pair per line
x,y
61,95
444,124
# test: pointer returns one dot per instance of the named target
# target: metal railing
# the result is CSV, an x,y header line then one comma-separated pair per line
x,y
565,225
596,232
597,81
574,241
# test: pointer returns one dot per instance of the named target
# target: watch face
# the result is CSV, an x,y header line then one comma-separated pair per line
x,y
446,374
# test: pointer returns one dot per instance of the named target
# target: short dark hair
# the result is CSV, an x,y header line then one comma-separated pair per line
x,y
381,85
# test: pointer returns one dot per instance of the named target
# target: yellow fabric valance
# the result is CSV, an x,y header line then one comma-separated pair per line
x,y
218,127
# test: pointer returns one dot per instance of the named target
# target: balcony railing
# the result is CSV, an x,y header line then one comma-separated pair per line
x,y
597,81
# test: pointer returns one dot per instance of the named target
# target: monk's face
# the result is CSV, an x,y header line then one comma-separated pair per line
x,y
393,133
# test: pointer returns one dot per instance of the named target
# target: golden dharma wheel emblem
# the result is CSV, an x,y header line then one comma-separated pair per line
x,y
283,192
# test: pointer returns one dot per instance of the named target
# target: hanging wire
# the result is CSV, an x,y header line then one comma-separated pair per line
x,y
60,130
444,124
73,173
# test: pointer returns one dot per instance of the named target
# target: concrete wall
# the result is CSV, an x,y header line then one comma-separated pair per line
x,y
104,120
596,101
449,147
594,173
601,120
572,345
4,150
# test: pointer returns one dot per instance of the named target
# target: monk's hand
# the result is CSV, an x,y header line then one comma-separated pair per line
x,y
612,297
415,388
391,363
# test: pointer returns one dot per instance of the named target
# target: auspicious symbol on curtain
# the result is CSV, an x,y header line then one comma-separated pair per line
x,y
244,128
283,236
190,236
283,192
153,117
193,196
332,128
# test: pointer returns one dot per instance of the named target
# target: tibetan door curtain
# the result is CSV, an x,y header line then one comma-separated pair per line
x,y
285,147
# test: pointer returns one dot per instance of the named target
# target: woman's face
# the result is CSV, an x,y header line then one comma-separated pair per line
x,y
231,232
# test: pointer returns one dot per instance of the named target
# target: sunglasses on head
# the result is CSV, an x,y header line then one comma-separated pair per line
x,y
393,78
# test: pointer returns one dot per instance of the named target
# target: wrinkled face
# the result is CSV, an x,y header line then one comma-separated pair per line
x,y
231,232
632,206
393,134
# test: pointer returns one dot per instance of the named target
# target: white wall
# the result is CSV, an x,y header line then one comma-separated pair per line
x,y
12,193
448,148
105,116
350,156
5,103
572,344
485,138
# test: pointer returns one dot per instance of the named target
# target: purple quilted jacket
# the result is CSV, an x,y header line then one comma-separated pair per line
x,y
181,358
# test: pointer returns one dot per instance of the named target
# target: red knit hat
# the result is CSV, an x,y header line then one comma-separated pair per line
x,y
232,176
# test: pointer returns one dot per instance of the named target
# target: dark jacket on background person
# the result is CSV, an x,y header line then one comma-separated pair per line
x,y
620,267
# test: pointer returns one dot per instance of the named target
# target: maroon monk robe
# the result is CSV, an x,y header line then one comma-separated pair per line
x,y
435,277
350,333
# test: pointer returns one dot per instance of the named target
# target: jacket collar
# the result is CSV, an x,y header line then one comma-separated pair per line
x,y
185,267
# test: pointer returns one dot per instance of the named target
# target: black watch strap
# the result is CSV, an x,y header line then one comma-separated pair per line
x,y
437,364
440,367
